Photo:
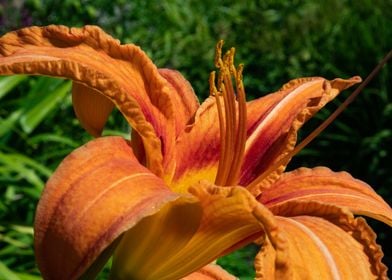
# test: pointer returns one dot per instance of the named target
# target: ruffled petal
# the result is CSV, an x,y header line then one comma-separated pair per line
x,y
197,155
325,242
273,122
122,73
98,192
210,272
323,185
265,262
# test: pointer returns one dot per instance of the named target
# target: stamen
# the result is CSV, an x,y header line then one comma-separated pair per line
x,y
214,92
229,135
232,127
322,126
241,132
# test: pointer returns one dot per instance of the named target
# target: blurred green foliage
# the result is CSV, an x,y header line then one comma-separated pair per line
x,y
276,40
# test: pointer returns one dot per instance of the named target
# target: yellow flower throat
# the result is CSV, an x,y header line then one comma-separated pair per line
x,y
231,105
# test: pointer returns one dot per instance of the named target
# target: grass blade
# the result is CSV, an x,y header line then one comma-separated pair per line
x,y
8,83
42,107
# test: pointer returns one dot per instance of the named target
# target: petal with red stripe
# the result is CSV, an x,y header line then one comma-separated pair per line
x,y
97,193
123,74
323,185
273,122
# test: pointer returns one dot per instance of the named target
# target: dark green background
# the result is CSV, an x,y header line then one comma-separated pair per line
x,y
276,40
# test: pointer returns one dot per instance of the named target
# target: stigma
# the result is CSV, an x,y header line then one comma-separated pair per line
x,y
229,92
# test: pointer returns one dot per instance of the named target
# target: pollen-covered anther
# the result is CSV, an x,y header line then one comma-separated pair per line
x,y
231,105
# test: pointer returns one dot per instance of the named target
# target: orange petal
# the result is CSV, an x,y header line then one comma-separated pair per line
x,y
229,216
91,108
184,98
185,104
98,192
273,122
210,272
122,73
156,239
323,185
265,261
231,219
325,242
197,149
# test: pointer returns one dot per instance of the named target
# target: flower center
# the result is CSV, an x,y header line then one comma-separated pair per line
x,y
231,106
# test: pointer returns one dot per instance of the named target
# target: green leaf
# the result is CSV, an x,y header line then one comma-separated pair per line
x,y
23,229
50,137
42,106
19,159
8,83
17,166
7,125
13,242
6,273
25,276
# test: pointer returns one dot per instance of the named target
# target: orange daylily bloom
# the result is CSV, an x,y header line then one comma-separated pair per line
x,y
196,181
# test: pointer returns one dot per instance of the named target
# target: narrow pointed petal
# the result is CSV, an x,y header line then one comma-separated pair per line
x,y
273,122
325,242
122,73
91,108
323,185
97,193
198,149
210,272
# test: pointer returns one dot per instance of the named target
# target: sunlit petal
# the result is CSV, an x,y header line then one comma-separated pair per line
x,y
230,216
122,73
326,242
156,239
273,122
323,185
98,192
198,149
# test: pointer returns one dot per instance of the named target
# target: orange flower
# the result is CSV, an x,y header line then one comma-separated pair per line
x,y
196,181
